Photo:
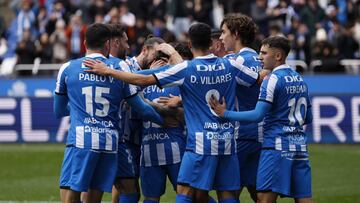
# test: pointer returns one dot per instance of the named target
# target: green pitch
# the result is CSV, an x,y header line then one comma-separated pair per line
x,y
31,173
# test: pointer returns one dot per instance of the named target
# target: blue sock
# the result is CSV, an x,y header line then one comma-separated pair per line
x,y
129,198
229,200
183,199
212,200
150,201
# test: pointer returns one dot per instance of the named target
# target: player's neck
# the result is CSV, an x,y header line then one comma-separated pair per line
x,y
238,46
197,52
140,58
92,51
279,63
114,53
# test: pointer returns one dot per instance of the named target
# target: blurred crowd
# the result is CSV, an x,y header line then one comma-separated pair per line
x,y
53,30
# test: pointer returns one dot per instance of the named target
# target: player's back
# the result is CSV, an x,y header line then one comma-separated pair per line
x,y
207,76
283,128
94,104
161,146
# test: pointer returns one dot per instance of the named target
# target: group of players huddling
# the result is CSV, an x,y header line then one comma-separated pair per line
x,y
210,115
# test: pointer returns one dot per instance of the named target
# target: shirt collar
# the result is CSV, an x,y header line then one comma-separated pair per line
x,y
247,49
283,66
95,55
135,63
206,57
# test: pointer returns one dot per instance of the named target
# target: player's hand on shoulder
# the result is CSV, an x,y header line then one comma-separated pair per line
x,y
217,107
97,67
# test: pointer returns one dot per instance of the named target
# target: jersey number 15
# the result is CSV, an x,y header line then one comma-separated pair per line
x,y
89,99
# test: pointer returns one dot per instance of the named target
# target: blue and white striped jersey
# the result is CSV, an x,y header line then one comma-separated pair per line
x,y
131,122
247,96
125,110
135,66
288,94
161,146
94,104
199,79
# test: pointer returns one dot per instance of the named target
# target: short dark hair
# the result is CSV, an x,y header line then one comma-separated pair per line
x,y
215,33
151,40
278,42
96,35
242,26
117,30
200,36
184,50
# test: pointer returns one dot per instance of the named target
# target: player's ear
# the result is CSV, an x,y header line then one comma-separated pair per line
x,y
85,44
189,45
278,55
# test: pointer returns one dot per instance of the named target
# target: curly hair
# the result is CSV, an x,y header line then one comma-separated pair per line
x,y
242,26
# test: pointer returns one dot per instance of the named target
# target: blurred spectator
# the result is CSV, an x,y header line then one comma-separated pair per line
x,y
279,13
202,11
25,20
275,30
42,20
126,17
25,49
139,36
348,46
326,54
97,8
341,8
334,33
59,41
357,36
236,6
299,20
179,15
75,33
157,9
312,15
159,28
57,13
258,12
112,16
99,18
44,49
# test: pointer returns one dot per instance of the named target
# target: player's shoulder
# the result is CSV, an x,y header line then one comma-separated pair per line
x,y
65,66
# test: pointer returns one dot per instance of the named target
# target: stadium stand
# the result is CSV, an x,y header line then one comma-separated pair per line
x,y
331,33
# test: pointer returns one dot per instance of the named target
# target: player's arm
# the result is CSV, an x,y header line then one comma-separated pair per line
x,y
61,98
261,74
61,105
145,110
153,71
100,68
255,115
309,116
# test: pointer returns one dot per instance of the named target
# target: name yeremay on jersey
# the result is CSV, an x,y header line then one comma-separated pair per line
x,y
288,94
